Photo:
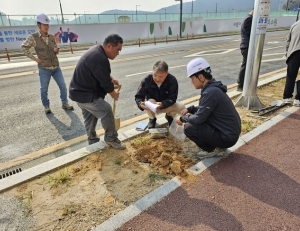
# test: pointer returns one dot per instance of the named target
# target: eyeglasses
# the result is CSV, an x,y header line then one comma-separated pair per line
x,y
116,48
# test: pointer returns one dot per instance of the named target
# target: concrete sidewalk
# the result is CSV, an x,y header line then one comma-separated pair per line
x,y
257,187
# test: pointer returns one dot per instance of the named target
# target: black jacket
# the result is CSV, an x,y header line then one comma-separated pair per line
x,y
166,93
91,79
216,110
245,32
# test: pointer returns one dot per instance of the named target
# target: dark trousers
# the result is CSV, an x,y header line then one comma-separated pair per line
x,y
206,137
241,77
293,64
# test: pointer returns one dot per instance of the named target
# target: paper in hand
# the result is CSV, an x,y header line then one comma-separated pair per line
x,y
152,106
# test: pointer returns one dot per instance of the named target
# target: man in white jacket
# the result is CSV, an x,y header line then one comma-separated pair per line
x,y
293,64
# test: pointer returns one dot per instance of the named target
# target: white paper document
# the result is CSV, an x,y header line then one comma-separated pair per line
x,y
151,106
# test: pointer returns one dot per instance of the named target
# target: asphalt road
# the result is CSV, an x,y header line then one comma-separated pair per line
x,y
24,128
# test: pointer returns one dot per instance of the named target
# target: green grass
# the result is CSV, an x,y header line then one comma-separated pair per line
x,y
117,161
63,178
26,203
142,140
247,126
154,177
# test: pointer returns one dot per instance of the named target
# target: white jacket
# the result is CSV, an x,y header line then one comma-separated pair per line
x,y
293,39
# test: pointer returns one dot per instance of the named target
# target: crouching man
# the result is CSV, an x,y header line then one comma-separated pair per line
x,y
160,88
214,125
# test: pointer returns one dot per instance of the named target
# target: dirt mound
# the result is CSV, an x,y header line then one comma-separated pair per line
x,y
165,155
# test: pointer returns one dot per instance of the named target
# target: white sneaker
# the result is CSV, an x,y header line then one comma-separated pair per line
x,y
296,103
289,100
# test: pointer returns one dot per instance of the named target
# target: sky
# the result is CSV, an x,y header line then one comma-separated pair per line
x,y
25,7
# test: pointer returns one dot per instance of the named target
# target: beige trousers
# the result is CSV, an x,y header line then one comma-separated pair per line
x,y
176,108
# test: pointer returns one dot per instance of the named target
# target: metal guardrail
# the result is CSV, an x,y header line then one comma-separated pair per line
x,y
56,19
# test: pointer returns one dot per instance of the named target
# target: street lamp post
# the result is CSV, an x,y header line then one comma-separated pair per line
x,y
180,34
85,16
1,19
136,12
62,15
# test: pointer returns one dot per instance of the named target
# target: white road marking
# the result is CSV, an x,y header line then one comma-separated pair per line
x,y
274,54
203,53
147,72
272,60
271,48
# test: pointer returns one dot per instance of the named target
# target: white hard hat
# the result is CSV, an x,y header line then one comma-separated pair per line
x,y
42,18
196,65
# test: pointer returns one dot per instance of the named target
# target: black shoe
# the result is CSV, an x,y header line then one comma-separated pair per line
x,y
169,119
92,141
151,123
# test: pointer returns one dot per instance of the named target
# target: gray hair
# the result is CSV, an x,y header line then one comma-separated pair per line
x,y
113,39
160,66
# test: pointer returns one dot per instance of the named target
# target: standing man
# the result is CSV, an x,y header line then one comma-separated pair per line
x,y
48,65
245,39
91,82
293,64
160,88
214,123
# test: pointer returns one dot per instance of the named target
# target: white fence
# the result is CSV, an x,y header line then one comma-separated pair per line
x,y
12,37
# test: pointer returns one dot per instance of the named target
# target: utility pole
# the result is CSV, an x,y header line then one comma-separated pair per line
x,y
287,5
192,7
62,15
1,18
165,14
180,33
261,14
136,12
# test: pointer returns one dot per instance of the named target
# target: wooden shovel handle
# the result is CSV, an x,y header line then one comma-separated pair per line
x,y
114,105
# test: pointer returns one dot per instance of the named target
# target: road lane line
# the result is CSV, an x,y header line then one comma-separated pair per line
x,y
274,54
271,60
147,72
271,48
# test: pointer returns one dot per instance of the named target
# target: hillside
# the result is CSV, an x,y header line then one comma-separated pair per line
x,y
201,6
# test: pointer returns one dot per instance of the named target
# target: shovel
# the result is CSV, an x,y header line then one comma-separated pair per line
x,y
273,106
117,120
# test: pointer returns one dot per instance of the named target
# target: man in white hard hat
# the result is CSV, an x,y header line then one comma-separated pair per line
x,y
48,65
214,124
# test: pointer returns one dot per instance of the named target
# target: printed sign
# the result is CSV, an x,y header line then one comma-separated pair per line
x,y
263,16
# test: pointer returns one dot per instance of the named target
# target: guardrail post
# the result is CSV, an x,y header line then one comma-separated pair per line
x,y
139,42
192,35
71,49
187,36
166,39
154,41
7,55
